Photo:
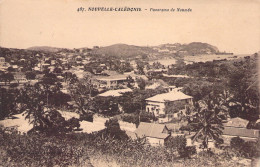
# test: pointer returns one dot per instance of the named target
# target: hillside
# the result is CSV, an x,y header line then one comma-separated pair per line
x,y
152,52
191,48
199,48
170,50
124,50
44,48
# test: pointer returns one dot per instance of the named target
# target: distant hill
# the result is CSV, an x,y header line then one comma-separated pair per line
x,y
45,48
124,50
130,51
191,48
200,48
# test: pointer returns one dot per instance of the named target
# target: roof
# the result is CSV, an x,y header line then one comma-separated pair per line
x,y
237,122
175,126
170,96
176,76
112,77
241,132
130,134
151,130
115,92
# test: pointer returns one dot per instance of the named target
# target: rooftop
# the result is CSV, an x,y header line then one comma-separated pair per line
x,y
241,132
237,122
115,92
112,77
151,130
170,96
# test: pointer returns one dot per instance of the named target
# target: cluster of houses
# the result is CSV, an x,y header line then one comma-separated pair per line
x,y
157,132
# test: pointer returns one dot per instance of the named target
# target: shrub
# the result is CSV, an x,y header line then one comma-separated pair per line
x,y
14,85
147,117
176,143
236,143
249,149
133,118
86,117
40,150
186,152
113,130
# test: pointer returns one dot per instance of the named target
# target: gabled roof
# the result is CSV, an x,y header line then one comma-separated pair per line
x,y
117,92
170,96
241,132
151,130
237,122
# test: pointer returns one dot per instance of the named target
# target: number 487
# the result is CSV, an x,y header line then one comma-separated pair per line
x,y
81,9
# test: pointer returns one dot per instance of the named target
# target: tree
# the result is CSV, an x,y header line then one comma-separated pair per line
x,y
140,67
8,99
207,122
176,143
243,85
45,119
113,130
107,106
147,117
141,83
7,77
30,75
130,81
82,92
175,107
179,143
10,69
57,70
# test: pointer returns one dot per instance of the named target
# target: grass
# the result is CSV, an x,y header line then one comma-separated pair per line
x,y
93,150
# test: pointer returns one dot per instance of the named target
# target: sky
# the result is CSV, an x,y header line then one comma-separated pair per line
x,y
232,26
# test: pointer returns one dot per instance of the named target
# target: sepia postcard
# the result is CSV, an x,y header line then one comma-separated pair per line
x,y
129,83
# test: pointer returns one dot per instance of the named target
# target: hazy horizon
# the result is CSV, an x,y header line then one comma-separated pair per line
x,y
231,26
91,47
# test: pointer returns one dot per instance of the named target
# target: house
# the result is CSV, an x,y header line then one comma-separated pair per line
x,y
2,59
3,65
158,103
111,81
156,134
237,127
15,67
20,78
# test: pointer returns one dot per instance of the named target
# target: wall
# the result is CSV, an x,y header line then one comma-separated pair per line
x,y
155,141
155,105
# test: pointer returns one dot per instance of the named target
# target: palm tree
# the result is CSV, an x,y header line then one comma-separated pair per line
x,y
207,122
82,93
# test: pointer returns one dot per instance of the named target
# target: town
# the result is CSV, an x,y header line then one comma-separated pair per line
x,y
127,96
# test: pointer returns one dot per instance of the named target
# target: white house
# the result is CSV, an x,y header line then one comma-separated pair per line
x,y
158,103
3,65
111,81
